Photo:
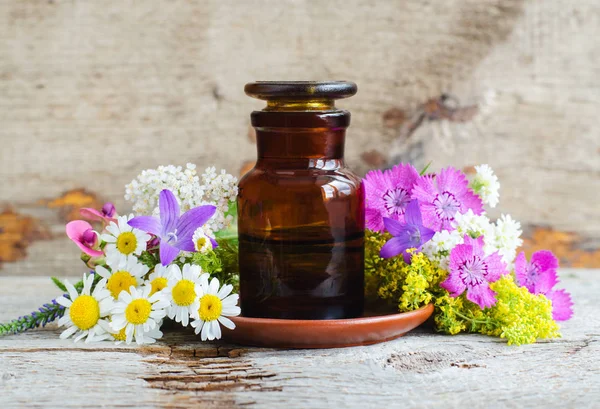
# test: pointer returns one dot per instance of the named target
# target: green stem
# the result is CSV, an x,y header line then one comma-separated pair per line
x,y
464,317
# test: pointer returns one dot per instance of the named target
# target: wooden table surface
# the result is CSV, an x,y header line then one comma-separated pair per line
x,y
421,370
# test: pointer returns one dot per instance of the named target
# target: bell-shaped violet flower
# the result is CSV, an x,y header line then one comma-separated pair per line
x,y
84,236
407,235
174,231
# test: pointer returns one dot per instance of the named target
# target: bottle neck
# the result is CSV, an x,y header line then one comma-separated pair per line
x,y
302,148
300,137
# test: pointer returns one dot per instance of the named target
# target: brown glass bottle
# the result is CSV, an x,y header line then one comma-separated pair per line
x,y
301,210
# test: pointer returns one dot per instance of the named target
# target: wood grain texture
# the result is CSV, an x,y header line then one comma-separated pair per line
x,y
91,93
420,370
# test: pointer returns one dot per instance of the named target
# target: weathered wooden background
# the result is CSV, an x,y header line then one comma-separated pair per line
x,y
92,92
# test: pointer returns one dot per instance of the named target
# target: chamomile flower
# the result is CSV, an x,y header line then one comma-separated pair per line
x,y
158,279
486,185
202,242
85,313
139,314
149,337
123,241
215,306
123,277
183,290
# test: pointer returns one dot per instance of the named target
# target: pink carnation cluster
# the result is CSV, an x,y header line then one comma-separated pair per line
x,y
440,196
412,207
540,276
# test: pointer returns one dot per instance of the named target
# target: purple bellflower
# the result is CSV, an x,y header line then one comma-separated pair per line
x,y
174,231
407,235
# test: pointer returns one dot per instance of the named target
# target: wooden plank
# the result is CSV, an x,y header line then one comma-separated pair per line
x,y
420,370
92,93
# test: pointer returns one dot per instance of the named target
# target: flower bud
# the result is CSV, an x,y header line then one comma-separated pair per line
x,y
89,238
108,210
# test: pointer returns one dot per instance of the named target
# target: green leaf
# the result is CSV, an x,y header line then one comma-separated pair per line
x,y
425,168
59,284
148,259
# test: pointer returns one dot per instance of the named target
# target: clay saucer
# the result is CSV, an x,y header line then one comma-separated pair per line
x,y
278,333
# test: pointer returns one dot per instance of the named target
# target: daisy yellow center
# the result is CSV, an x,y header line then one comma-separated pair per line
x,y
84,312
210,307
138,311
200,243
120,281
183,293
158,284
126,243
121,336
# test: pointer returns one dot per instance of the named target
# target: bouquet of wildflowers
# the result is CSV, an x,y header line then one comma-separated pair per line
x,y
163,261
430,241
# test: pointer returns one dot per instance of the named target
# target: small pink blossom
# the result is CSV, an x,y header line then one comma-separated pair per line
x,y
82,234
388,193
539,276
443,195
472,271
107,214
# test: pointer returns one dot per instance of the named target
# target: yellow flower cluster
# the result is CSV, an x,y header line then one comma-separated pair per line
x,y
409,286
518,316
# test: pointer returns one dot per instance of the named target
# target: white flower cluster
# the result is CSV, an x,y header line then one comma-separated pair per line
x,y
191,191
439,247
504,237
508,238
219,189
125,306
486,185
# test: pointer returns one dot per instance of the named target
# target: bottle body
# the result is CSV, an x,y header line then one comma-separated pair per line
x,y
301,221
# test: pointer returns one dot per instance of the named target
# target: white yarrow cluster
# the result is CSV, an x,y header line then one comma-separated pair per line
x,y
508,238
486,185
190,189
475,226
439,247
502,237
220,189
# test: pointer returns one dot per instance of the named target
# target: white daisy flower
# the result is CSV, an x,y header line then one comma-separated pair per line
x,y
123,241
158,279
202,243
85,313
486,185
123,277
149,337
215,306
139,314
183,292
